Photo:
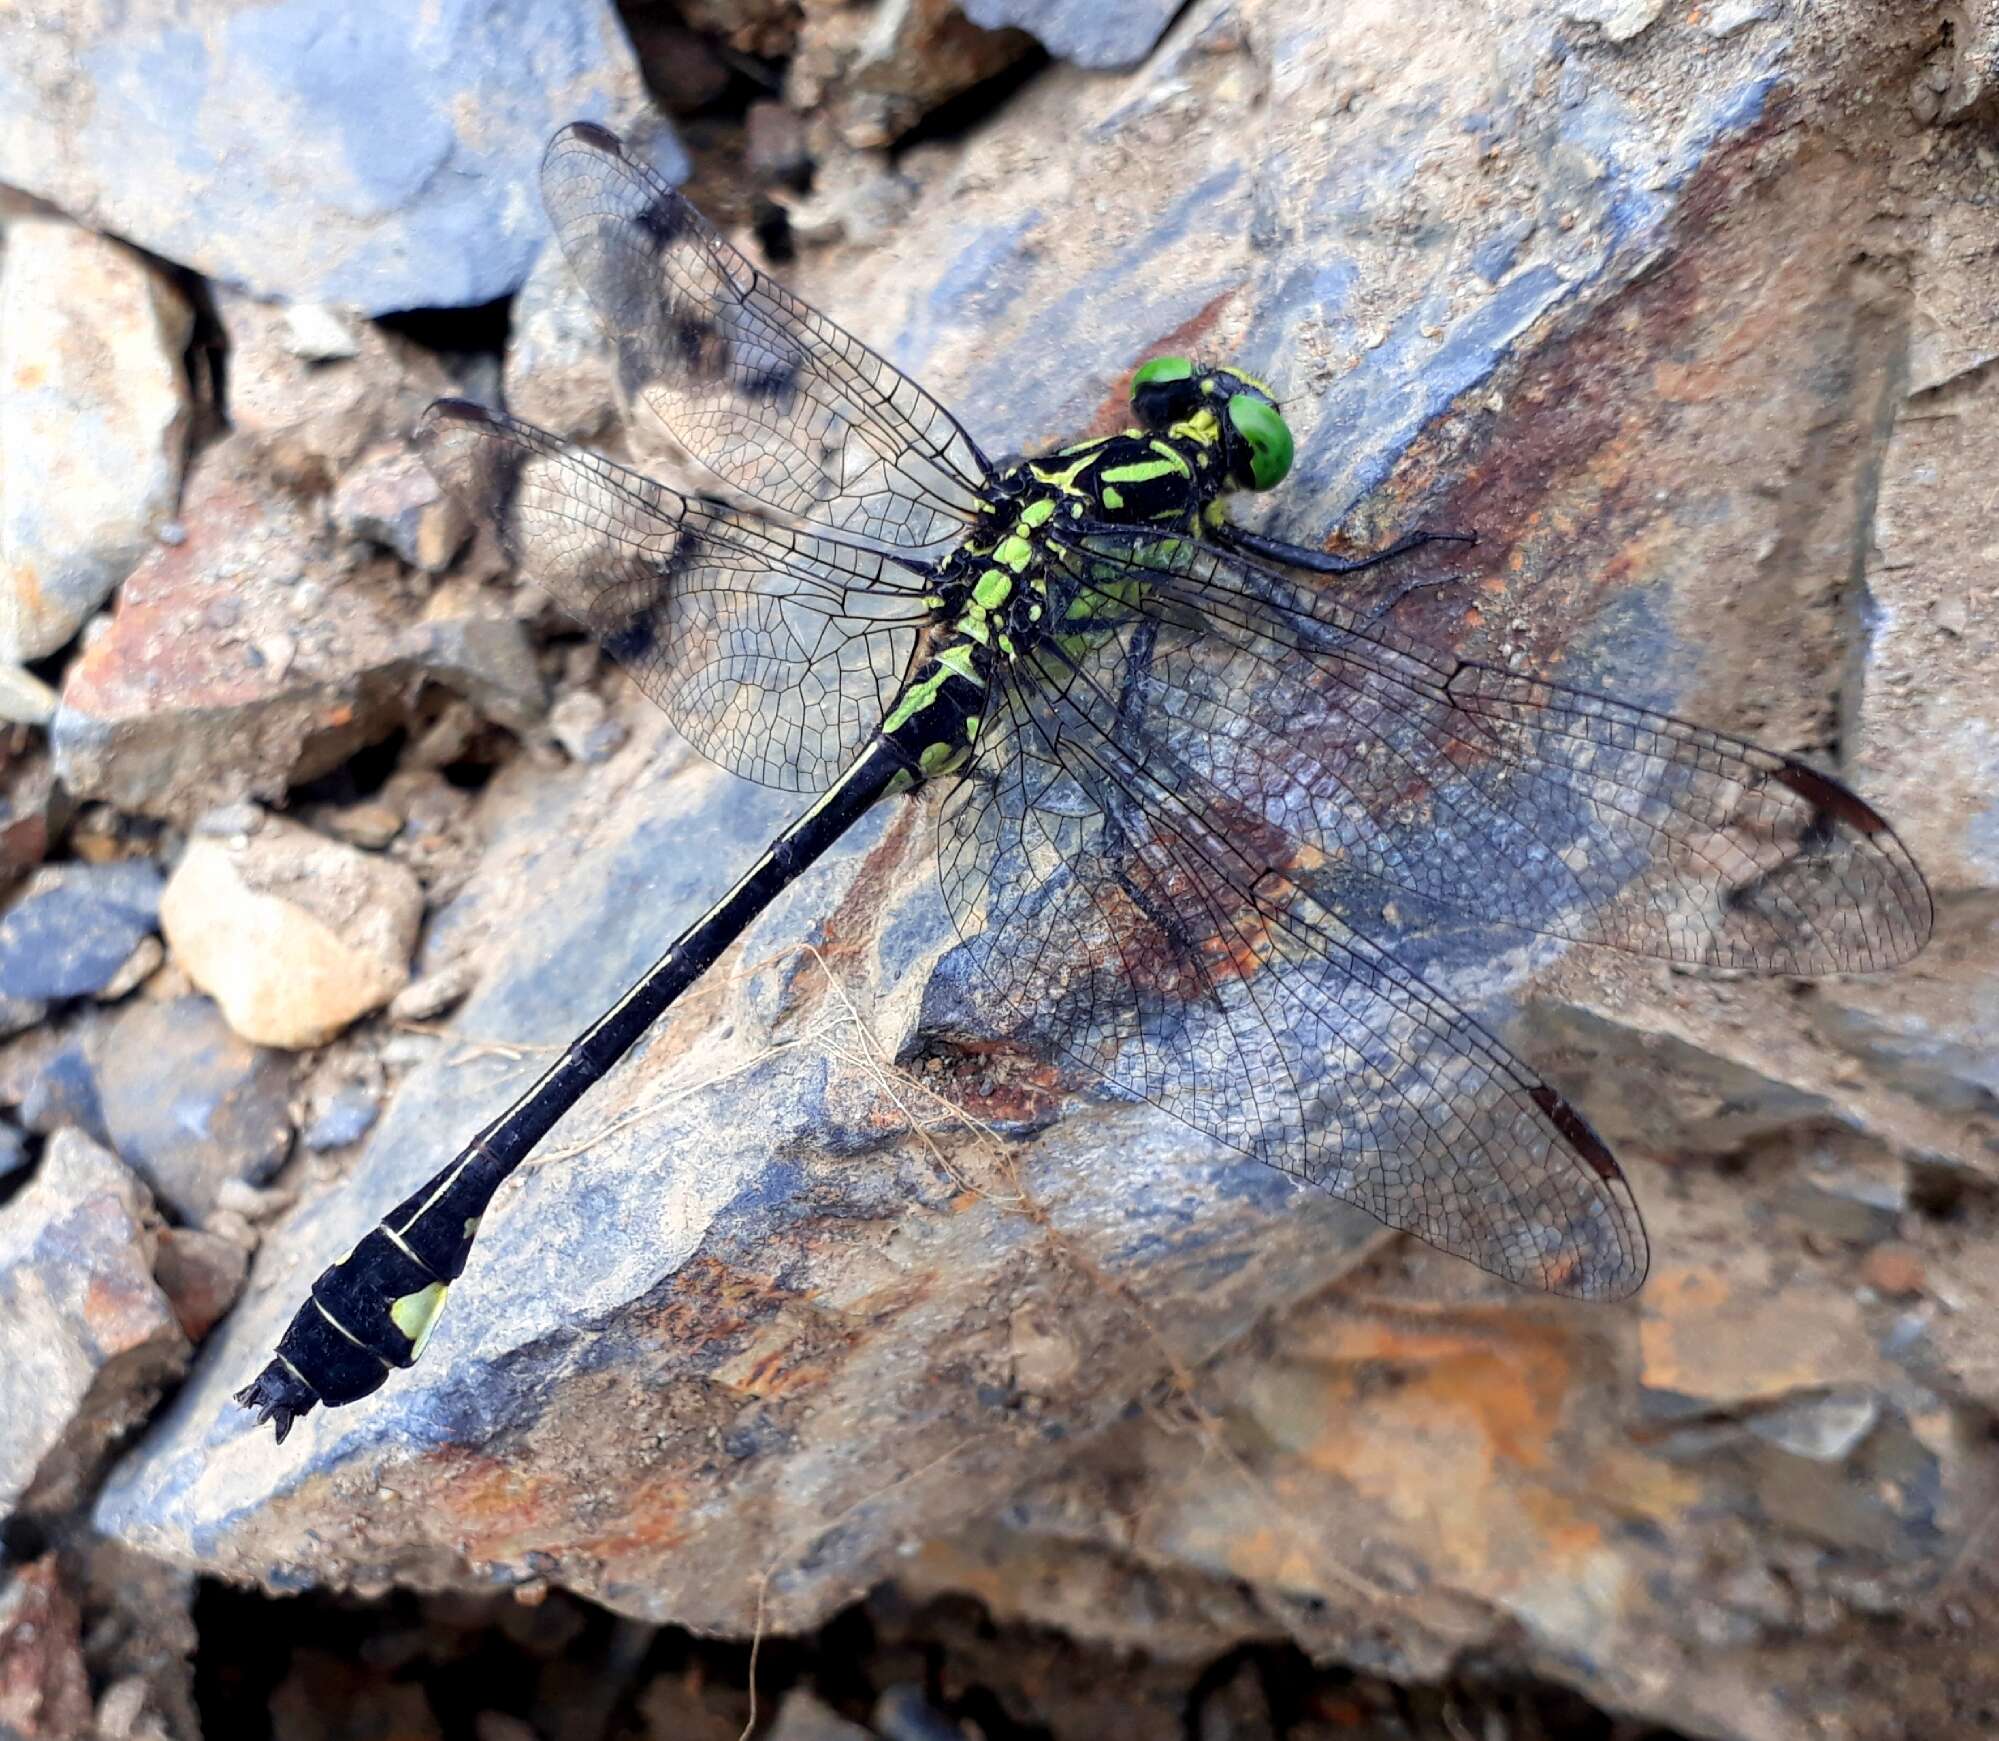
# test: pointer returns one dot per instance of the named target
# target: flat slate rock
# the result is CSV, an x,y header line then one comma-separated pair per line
x,y
1083,32
75,927
313,150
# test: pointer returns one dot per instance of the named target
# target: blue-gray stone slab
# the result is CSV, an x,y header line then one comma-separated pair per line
x,y
315,150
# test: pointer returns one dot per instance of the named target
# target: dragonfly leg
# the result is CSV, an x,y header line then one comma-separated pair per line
x,y
1322,562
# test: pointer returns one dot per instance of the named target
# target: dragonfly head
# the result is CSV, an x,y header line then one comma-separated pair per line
x,y
1256,441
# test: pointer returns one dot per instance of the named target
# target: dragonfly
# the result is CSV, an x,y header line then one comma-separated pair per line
x,y
1181,782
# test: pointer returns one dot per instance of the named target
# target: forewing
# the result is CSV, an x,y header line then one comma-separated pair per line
x,y
1508,799
763,390
1153,930
775,653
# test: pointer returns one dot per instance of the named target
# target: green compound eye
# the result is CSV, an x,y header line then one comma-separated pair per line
x,y
1158,369
1267,436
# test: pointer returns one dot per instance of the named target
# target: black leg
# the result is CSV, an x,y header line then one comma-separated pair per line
x,y
1318,561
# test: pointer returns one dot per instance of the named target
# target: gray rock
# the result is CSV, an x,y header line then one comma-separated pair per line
x,y
1087,34
391,499
318,333
74,928
13,1151
87,1339
318,416
348,1115
93,423
308,149
61,1088
584,727
559,371
802,1717
741,1320
189,1105
1620,19
483,657
1824,1429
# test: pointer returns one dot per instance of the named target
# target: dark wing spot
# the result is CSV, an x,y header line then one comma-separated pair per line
x,y
663,220
775,386
633,639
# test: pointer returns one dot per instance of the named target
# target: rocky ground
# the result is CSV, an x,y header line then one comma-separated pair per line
x,y
991,1405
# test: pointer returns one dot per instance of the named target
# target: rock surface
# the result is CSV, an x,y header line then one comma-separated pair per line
x,y
44,1683
87,1338
1101,37
1688,314
94,404
292,934
190,1105
308,149
74,927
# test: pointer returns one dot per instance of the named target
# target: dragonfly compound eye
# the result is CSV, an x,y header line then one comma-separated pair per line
x,y
1164,391
1267,437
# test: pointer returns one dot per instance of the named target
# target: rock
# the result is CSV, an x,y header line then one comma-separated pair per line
x,y
295,936
775,145
583,726
559,369
802,1717
24,698
93,422
318,417
201,1273
34,811
44,1685
391,499
882,71
75,927
237,664
140,1645
314,152
766,28
87,1339
189,1105
369,825
424,999
60,1088
742,1331
1893,1270
902,1713
681,68
318,333
146,959
1620,19
14,1155
1099,37
486,658
1824,1429
347,1116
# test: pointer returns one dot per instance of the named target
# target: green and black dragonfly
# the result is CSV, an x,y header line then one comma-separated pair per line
x,y
1176,774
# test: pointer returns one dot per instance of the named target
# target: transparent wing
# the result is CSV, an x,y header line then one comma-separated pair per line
x,y
1502,797
768,393
775,653
1150,926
